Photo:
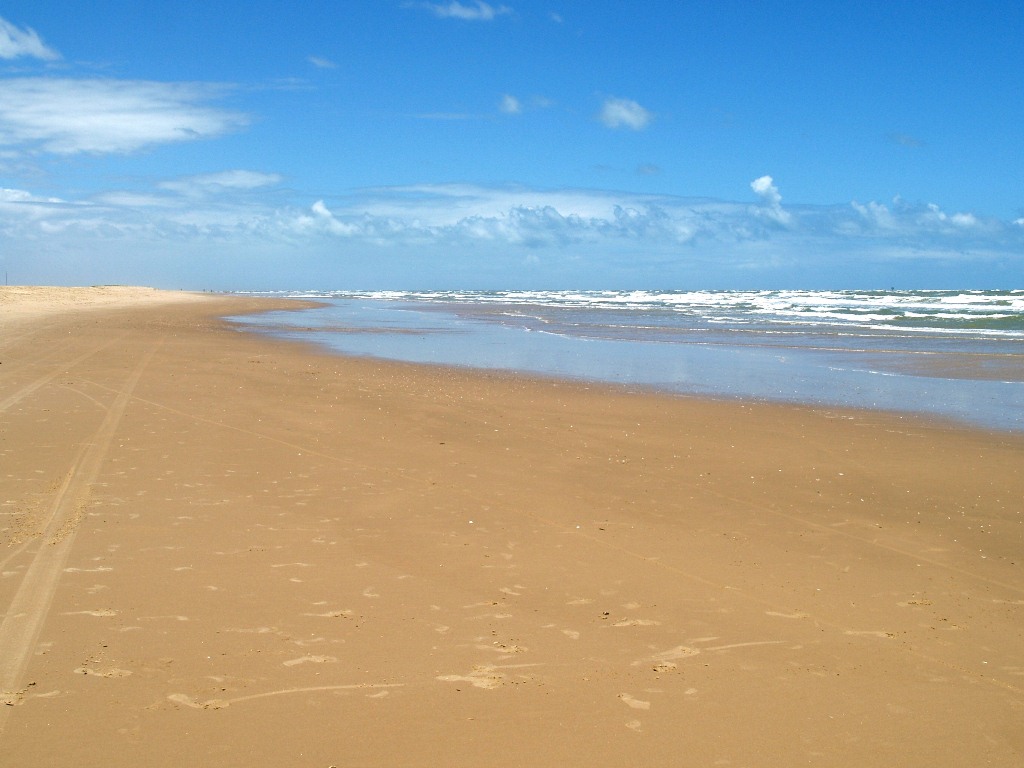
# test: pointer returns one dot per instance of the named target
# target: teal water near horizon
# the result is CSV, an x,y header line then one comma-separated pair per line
x,y
957,355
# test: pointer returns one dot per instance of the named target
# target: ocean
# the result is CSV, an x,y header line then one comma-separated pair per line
x,y
956,355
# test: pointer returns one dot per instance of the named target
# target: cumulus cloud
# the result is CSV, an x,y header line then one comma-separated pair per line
x,y
764,187
69,116
877,216
925,222
480,11
960,220
15,43
531,217
766,190
325,220
624,113
21,197
15,195
437,225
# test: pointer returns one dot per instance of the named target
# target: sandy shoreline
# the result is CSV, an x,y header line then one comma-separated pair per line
x,y
220,549
20,303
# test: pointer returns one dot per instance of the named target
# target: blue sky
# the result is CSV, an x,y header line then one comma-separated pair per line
x,y
520,144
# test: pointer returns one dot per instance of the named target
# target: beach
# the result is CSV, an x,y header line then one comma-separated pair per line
x,y
219,548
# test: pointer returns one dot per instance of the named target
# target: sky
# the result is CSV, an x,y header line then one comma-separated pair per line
x,y
535,144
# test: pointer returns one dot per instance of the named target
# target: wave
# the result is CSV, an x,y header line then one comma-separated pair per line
x,y
980,312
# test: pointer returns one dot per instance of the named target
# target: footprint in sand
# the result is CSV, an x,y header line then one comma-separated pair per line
x,y
637,623
570,633
667,659
502,648
312,659
797,615
100,569
871,633
103,672
629,701
188,701
488,675
480,677
312,641
255,630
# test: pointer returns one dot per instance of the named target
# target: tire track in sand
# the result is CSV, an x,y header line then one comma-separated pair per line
x,y
28,389
28,609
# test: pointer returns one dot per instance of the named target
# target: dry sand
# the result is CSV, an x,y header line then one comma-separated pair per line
x,y
222,550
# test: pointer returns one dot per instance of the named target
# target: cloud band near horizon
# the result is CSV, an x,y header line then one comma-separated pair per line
x,y
429,226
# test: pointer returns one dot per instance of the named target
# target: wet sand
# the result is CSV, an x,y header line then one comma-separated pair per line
x,y
220,549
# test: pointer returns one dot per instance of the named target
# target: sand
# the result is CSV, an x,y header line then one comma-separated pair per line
x,y
217,549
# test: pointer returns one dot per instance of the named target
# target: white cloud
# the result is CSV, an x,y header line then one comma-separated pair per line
x,y
964,219
764,187
15,43
30,211
325,219
429,228
21,197
959,220
68,116
515,216
15,195
123,199
321,63
236,180
624,113
445,205
481,11
876,215
766,190
510,105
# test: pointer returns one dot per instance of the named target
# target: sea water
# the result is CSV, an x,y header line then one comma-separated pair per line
x,y
952,354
